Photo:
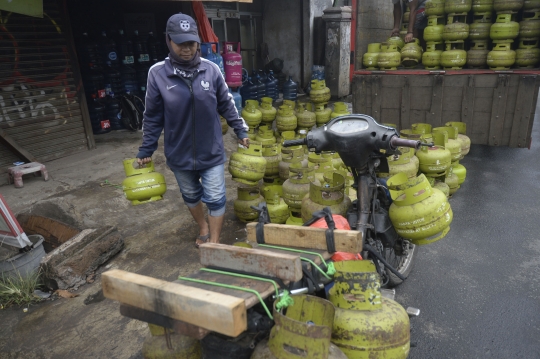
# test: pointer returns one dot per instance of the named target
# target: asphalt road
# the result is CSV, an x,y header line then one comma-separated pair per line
x,y
478,289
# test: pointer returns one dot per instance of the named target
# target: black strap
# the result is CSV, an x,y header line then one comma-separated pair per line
x,y
264,217
327,214
309,279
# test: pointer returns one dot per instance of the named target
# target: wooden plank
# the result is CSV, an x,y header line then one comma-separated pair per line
x,y
306,237
15,147
435,112
210,310
522,114
405,118
498,109
313,257
286,266
178,326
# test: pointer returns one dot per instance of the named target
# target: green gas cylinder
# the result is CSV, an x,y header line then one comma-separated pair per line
x,y
371,57
460,171
454,57
406,162
252,133
502,57
462,137
297,185
290,155
455,29
295,218
321,167
328,194
306,119
285,119
224,125
322,114
274,183
434,30
418,212
340,109
527,58
142,184
457,6
434,7
277,208
290,104
411,54
248,165
166,344
247,196
482,6
268,111
366,324
337,162
504,28
452,180
423,129
431,59
265,135
507,5
435,161
319,92
396,41
303,332
452,145
349,181
440,185
272,156
389,57
251,114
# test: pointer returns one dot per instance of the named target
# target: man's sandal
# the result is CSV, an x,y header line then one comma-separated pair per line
x,y
203,239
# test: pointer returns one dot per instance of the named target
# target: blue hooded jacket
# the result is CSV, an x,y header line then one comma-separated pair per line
x,y
188,116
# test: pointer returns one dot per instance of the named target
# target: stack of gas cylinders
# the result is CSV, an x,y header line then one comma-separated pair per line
x,y
113,64
477,34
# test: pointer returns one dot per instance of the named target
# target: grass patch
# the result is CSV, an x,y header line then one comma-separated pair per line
x,y
19,290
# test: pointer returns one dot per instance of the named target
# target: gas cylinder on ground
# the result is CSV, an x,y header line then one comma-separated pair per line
x,y
268,111
366,324
224,125
247,196
349,181
265,135
452,180
423,129
435,161
460,171
440,185
453,145
277,208
462,137
232,62
418,212
285,119
305,328
297,185
142,184
371,57
340,109
320,168
290,104
328,194
411,54
274,183
305,119
322,114
273,157
319,93
407,163
251,114
290,155
252,133
337,162
389,57
295,218
248,165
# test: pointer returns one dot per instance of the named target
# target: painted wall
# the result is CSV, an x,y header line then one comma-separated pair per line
x,y
374,24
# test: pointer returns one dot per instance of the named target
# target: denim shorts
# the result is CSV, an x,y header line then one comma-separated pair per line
x,y
206,185
421,19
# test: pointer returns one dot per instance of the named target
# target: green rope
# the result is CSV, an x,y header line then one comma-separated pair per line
x,y
231,287
243,276
330,269
316,267
285,301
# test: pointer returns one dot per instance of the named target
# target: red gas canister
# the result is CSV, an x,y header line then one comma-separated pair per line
x,y
233,64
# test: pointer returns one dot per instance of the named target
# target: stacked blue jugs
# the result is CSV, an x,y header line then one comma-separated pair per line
x,y
237,99
248,91
290,89
208,53
271,86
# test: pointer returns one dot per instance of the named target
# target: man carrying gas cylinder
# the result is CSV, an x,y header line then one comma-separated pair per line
x,y
417,19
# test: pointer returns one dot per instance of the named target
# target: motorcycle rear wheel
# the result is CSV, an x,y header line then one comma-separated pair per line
x,y
402,263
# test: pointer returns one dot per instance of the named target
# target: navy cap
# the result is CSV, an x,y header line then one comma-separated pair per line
x,y
182,28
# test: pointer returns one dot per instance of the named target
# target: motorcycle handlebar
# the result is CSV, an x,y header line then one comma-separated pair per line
x,y
299,142
403,142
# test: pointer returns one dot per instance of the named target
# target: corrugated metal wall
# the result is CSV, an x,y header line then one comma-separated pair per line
x,y
39,95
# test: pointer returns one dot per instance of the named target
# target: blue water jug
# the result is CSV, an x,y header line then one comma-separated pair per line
x,y
237,99
271,86
208,53
261,87
263,76
290,89
248,91
108,50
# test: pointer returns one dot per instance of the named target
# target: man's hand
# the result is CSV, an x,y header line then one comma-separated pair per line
x,y
395,32
143,161
244,142
409,37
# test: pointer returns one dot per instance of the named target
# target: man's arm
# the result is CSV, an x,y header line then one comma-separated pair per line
x,y
397,18
413,5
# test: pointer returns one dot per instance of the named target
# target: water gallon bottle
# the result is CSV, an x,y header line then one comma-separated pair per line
x,y
248,91
124,46
129,79
237,99
98,120
232,62
271,86
108,50
113,112
208,53
261,86
153,48
263,76
113,80
93,81
140,49
89,54
290,90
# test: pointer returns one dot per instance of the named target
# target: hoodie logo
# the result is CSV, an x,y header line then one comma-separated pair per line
x,y
184,25
205,85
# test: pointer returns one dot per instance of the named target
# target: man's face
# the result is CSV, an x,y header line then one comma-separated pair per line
x,y
185,50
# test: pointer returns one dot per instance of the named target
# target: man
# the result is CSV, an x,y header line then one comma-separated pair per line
x,y
417,19
184,98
